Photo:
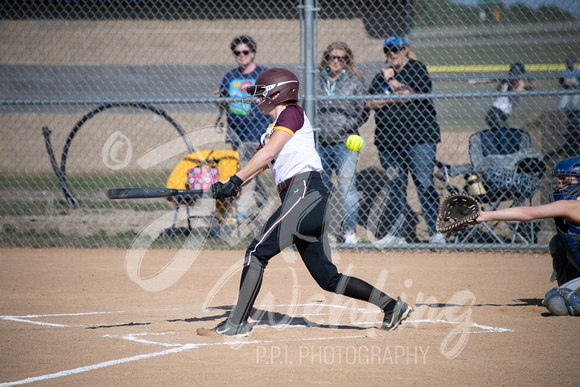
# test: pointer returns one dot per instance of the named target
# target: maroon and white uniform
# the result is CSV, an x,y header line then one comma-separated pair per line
x,y
300,219
299,154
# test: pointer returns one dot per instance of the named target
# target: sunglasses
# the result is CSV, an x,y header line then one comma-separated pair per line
x,y
245,52
392,49
333,57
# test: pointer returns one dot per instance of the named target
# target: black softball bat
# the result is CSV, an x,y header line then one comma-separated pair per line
x,y
145,193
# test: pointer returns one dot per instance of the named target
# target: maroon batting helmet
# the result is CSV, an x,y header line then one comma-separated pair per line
x,y
273,82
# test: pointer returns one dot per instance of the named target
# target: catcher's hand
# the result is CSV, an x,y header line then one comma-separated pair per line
x,y
457,212
220,190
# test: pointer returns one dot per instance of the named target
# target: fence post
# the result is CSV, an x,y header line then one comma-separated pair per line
x,y
309,59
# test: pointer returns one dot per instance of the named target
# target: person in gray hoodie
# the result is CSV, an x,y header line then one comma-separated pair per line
x,y
336,120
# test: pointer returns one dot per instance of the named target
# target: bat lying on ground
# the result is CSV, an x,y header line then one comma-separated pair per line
x,y
145,193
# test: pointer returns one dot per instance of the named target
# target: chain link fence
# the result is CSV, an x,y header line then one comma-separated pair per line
x,y
102,94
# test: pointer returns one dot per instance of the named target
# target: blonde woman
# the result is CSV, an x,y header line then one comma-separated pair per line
x,y
338,119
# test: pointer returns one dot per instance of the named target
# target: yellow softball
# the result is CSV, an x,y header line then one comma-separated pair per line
x,y
354,143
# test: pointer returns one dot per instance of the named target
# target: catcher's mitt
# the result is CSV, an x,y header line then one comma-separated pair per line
x,y
457,212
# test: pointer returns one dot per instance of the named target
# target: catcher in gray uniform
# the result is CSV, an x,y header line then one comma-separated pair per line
x,y
287,149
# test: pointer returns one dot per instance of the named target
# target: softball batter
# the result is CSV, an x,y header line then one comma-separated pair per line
x,y
287,149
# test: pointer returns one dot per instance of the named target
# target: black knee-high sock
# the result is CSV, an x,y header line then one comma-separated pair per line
x,y
249,288
361,290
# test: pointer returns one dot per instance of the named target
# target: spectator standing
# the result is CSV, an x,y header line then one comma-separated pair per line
x,y
338,119
406,135
243,131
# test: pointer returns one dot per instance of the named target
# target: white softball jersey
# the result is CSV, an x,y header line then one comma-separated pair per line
x,y
299,154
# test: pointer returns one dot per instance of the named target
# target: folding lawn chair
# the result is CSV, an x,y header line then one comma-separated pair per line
x,y
199,170
504,169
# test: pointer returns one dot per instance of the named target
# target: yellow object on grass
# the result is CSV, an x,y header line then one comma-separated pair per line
x,y
226,162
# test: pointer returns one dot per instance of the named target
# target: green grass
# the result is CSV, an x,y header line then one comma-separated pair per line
x,y
438,13
91,192
501,52
60,207
10,237
89,188
86,181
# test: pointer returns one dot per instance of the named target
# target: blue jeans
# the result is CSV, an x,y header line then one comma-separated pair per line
x,y
337,157
420,161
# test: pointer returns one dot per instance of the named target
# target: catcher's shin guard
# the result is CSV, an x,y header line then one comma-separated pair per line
x,y
564,300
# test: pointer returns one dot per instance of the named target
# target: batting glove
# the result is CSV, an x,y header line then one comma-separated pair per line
x,y
220,190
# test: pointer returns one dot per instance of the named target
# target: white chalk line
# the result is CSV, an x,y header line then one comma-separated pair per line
x,y
96,366
177,348
484,328
135,338
26,319
33,322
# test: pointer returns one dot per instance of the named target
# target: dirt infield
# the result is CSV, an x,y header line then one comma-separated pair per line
x,y
84,317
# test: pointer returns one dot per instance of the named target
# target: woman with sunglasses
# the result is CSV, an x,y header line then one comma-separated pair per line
x,y
243,132
338,119
406,136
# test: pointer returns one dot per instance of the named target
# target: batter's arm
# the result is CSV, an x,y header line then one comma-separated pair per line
x,y
259,162
257,173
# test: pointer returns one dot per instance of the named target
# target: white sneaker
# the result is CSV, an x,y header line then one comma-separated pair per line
x,y
350,239
390,240
438,238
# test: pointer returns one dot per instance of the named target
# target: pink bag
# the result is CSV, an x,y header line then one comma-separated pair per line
x,y
202,177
